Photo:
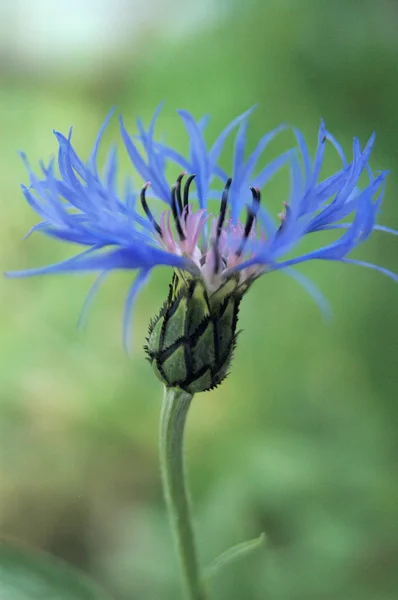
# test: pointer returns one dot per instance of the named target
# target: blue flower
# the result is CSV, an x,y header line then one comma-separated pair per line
x,y
80,205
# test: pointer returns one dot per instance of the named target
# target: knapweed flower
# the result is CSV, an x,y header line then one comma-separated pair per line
x,y
216,253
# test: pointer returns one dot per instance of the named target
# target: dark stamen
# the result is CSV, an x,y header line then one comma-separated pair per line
x,y
223,208
251,215
216,257
175,212
256,199
186,190
178,190
147,211
248,226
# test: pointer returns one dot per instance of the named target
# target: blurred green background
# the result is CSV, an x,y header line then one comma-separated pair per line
x,y
301,439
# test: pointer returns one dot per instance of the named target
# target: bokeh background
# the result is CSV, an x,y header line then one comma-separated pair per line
x,y
301,439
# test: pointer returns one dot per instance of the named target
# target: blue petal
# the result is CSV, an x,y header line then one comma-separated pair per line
x,y
68,162
137,285
337,147
173,155
37,227
111,170
92,293
156,163
386,229
259,149
338,211
203,122
269,170
199,157
133,153
94,153
34,203
239,150
361,263
320,152
313,291
242,176
121,258
267,222
296,183
218,145
220,173
304,154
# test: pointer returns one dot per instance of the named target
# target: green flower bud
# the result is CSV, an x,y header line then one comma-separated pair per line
x,y
191,341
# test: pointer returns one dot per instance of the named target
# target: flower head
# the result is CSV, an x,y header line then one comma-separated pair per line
x,y
226,249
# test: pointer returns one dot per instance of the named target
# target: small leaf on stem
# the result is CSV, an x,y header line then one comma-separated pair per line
x,y
234,554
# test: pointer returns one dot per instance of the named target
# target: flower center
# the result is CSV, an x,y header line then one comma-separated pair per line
x,y
214,244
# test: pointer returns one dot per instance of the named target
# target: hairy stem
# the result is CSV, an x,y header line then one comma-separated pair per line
x,y
175,408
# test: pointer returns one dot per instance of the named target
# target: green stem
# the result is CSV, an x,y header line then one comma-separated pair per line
x,y
175,408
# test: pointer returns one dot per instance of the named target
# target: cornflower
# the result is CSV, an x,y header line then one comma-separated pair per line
x,y
215,255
